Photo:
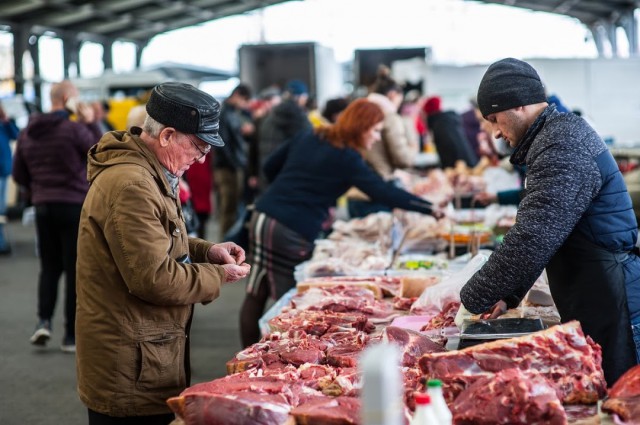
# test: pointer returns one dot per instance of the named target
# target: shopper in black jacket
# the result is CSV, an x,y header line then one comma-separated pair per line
x,y
230,161
448,135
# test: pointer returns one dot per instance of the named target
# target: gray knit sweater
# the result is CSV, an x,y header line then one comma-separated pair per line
x,y
562,180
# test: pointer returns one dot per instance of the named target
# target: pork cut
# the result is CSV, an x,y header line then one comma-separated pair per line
x,y
512,397
319,322
444,319
412,344
571,362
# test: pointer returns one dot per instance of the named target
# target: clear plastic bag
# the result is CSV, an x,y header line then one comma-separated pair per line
x,y
436,297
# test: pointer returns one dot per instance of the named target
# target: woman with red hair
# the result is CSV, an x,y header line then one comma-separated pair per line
x,y
308,174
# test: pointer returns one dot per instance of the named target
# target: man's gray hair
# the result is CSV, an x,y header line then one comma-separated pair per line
x,y
152,127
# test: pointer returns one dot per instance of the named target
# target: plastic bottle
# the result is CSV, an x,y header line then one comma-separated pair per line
x,y
382,397
424,414
434,389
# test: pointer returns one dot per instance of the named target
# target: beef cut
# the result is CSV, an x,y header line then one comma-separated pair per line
x,y
328,411
242,408
624,397
571,362
512,397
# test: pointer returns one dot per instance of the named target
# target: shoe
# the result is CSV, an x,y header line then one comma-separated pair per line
x,y
42,333
5,251
68,345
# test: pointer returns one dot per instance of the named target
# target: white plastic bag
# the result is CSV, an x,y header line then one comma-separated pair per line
x,y
436,297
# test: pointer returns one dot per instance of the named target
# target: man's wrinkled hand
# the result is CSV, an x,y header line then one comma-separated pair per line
x,y
496,311
226,253
233,272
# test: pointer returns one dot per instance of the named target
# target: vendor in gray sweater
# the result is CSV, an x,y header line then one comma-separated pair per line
x,y
575,219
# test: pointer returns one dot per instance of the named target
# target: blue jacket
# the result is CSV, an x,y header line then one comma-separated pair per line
x,y
576,219
8,132
308,175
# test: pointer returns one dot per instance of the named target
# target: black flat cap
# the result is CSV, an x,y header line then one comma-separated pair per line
x,y
507,84
187,109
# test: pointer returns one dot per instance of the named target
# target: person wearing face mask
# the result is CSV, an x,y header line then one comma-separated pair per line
x,y
50,162
308,173
139,272
397,147
575,220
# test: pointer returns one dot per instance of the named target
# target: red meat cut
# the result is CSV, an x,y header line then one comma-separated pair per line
x,y
624,396
328,411
412,344
510,397
571,362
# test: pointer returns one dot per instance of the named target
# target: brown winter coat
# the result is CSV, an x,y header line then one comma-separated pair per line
x,y
135,301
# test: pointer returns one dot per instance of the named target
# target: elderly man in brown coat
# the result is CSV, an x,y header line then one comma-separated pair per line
x,y
138,272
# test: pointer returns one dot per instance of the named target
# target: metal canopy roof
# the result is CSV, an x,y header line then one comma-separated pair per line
x,y
589,12
127,20
140,20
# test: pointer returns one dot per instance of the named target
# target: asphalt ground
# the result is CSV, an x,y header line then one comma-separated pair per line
x,y
38,386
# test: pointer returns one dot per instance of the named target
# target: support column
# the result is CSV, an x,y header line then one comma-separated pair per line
x,y
20,46
34,43
629,23
107,54
610,29
71,55
139,49
597,38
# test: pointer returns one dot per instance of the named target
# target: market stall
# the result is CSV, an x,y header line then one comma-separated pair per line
x,y
393,278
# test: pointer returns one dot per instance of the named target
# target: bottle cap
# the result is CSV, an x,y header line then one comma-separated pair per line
x,y
434,383
422,398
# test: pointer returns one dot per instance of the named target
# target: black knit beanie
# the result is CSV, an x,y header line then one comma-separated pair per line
x,y
507,84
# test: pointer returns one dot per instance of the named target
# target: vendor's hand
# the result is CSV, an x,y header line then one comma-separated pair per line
x,y
485,198
496,311
233,272
437,213
226,253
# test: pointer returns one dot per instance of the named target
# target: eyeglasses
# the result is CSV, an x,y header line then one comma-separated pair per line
x,y
202,152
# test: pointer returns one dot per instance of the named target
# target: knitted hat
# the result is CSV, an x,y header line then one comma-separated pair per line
x,y
432,105
187,109
297,87
507,84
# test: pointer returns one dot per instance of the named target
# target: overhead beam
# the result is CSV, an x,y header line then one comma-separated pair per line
x,y
25,6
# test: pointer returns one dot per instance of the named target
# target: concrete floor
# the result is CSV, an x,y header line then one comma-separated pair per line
x,y
38,386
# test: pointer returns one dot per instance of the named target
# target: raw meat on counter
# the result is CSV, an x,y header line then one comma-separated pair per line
x,y
444,319
390,286
245,408
511,396
328,411
319,322
571,362
624,397
296,347
412,344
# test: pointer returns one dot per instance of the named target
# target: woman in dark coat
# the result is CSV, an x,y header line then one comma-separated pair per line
x,y
309,173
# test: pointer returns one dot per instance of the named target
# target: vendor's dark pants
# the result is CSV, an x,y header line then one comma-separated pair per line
x,y
96,418
57,230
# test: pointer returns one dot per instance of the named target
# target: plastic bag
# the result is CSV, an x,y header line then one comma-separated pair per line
x,y
275,310
434,298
